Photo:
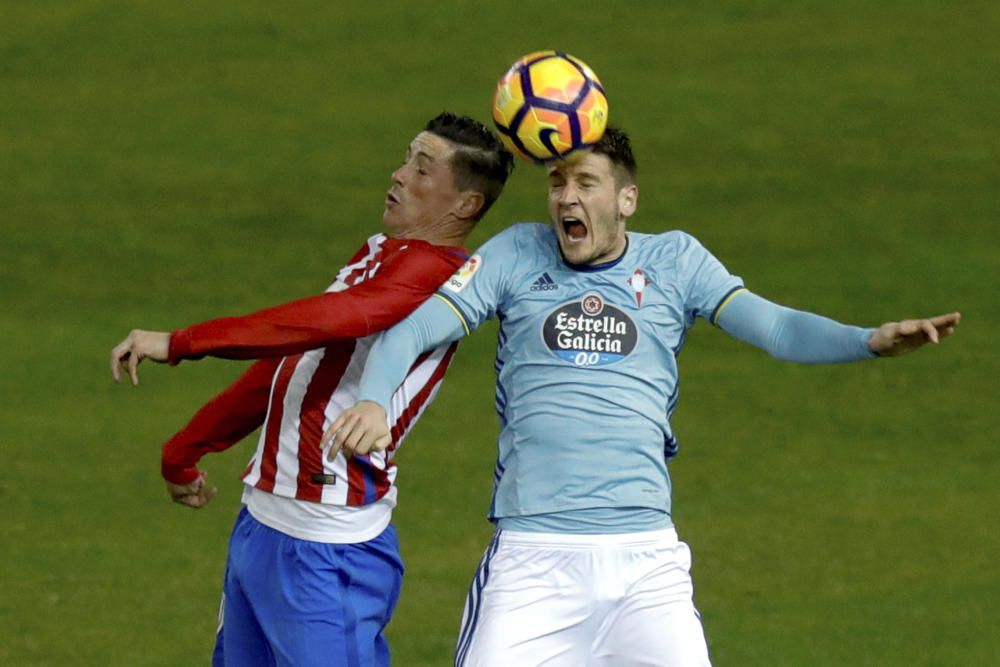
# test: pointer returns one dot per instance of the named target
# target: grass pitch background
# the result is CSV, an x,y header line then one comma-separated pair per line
x,y
165,163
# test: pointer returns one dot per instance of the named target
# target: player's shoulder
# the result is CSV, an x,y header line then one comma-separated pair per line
x,y
663,246
417,249
527,231
522,238
413,262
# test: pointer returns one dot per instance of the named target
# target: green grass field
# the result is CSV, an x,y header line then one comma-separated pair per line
x,y
162,163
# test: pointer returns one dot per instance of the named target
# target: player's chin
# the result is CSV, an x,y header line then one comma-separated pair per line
x,y
575,252
391,220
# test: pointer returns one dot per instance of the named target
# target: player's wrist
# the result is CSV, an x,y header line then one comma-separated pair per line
x,y
870,342
374,402
177,347
178,474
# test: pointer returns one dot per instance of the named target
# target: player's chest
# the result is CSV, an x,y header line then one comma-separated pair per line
x,y
594,319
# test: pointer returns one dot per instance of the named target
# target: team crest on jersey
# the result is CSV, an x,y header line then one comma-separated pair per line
x,y
638,281
461,278
589,332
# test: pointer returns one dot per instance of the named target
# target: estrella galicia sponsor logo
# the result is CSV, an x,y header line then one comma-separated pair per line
x,y
589,332
544,283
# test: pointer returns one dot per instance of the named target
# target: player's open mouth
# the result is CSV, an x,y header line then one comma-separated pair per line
x,y
390,199
574,229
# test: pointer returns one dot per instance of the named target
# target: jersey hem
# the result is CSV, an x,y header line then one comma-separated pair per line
x,y
328,524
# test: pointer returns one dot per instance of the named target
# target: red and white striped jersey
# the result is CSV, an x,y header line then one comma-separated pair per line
x,y
311,389
313,353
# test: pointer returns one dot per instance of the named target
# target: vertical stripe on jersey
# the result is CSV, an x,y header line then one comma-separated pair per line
x,y
312,417
369,478
272,429
418,404
310,389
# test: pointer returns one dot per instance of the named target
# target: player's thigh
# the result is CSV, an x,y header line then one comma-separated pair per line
x,y
523,610
240,640
332,602
657,623
671,635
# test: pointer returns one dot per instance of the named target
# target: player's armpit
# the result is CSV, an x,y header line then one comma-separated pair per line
x,y
222,422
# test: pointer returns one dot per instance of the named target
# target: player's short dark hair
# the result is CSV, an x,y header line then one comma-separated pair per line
x,y
480,162
616,145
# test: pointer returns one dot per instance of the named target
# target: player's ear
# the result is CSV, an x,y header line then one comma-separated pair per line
x,y
628,199
470,203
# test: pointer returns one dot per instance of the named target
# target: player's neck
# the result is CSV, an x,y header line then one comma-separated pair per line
x,y
451,232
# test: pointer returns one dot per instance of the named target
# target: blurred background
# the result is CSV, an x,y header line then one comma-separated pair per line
x,y
164,163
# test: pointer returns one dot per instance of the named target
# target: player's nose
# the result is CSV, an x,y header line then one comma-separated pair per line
x,y
397,176
568,194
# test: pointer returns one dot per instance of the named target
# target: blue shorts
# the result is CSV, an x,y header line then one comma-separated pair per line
x,y
290,602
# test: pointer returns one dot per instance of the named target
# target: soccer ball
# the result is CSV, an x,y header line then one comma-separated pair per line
x,y
548,106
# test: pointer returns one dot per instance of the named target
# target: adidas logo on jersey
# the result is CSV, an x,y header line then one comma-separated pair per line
x,y
544,284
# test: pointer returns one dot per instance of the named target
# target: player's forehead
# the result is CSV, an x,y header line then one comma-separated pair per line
x,y
594,166
431,148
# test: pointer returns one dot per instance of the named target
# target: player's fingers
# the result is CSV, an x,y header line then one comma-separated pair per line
x,y
115,372
335,448
182,498
383,442
133,366
908,328
118,354
362,447
930,331
337,436
192,501
205,496
355,440
950,319
331,431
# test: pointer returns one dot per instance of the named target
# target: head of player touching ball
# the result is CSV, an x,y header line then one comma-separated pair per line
x,y
591,198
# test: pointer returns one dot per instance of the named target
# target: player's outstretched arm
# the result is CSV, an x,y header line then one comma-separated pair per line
x,y
138,345
895,338
800,336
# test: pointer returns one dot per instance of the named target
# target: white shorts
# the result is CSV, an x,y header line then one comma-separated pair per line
x,y
582,601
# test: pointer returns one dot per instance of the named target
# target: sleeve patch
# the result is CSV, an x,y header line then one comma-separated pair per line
x,y
463,276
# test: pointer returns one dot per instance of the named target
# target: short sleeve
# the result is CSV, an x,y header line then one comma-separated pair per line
x,y
476,291
708,284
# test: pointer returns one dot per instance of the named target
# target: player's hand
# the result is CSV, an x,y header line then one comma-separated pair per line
x,y
195,495
137,346
358,431
895,338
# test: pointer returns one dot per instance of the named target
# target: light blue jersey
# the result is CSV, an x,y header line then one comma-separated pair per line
x,y
586,365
